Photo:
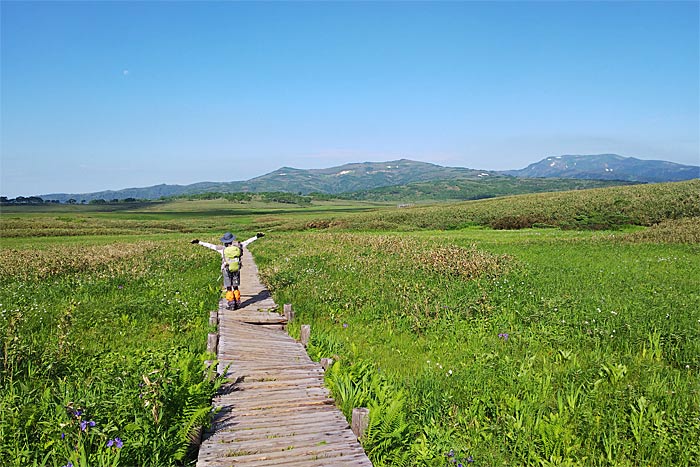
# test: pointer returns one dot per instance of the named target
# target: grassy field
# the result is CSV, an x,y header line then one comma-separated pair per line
x,y
103,340
602,208
162,217
549,347
103,323
533,346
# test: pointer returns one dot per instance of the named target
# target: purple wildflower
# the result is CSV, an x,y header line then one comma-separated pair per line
x,y
470,459
63,436
84,424
116,442
120,287
345,325
504,336
69,464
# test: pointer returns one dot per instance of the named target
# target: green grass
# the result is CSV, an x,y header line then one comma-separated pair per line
x,y
599,366
104,309
117,331
162,217
106,312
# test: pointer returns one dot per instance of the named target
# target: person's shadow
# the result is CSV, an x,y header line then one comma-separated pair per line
x,y
264,294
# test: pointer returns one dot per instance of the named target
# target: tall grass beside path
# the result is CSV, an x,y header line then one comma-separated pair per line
x,y
101,353
566,348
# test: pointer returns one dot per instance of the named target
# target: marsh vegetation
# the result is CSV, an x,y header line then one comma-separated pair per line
x,y
550,329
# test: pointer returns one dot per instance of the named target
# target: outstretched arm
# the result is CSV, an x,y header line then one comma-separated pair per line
x,y
252,239
211,246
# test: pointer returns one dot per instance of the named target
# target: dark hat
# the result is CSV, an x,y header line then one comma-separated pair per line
x,y
228,238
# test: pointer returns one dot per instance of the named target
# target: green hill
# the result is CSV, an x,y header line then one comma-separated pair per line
x,y
484,186
600,208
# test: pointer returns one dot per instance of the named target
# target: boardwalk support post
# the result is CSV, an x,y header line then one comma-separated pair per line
x,y
213,318
360,421
212,342
326,362
288,312
305,334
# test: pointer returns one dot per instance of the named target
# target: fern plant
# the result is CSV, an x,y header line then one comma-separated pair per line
x,y
194,419
196,413
388,437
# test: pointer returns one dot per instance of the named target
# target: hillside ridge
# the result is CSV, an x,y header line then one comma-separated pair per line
x,y
607,167
367,176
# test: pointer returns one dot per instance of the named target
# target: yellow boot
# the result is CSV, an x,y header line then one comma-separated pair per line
x,y
230,300
237,298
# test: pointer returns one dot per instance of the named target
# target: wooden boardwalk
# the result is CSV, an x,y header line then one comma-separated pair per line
x,y
275,411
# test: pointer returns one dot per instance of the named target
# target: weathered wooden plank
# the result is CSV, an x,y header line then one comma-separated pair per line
x,y
280,400
269,421
328,414
270,340
239,432
267,366
323,451
274,387
256,340
279,408
297,440
341,461
262,375
282,455
358,460
282,393
268,377
253,355
301,382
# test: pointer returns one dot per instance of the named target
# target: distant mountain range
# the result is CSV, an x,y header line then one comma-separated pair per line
x,y
368,176
608,167
357,176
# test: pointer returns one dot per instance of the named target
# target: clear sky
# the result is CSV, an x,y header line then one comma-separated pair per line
x,y
109,95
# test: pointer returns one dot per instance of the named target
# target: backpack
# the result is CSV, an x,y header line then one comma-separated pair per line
x,y
232,258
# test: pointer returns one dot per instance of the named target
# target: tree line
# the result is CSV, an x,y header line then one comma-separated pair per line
x,y
40,200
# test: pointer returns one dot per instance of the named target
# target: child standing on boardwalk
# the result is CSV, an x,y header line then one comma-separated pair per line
x,y
231,254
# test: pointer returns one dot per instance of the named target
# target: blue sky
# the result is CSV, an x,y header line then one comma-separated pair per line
x,y
110,95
